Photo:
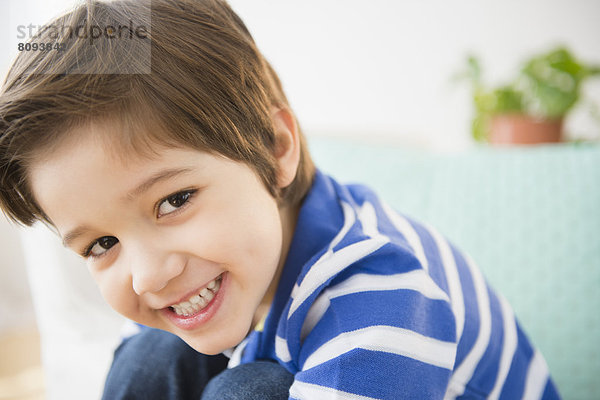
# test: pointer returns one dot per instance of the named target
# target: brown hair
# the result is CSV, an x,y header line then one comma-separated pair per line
x,y
206,86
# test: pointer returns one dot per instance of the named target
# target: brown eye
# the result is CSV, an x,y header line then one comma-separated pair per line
x,y
173,202
107,242
101,246
177,200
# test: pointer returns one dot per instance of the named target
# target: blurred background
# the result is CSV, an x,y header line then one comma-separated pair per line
x,y
379,72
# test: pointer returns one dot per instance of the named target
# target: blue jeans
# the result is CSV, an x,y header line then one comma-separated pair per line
x,y
156,365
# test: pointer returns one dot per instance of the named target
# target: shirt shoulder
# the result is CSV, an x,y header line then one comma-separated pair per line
x,y
367,298
367,257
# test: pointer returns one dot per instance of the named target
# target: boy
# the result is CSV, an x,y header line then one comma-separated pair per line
x,y
185,182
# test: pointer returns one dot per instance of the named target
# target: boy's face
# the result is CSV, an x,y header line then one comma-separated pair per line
x,y
158,233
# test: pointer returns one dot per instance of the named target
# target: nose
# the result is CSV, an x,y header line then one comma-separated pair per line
x,y
152,269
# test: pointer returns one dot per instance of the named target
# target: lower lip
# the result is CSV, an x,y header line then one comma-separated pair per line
x,y
201,317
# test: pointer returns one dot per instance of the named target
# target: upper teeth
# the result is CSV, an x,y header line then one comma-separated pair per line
x,y
198,301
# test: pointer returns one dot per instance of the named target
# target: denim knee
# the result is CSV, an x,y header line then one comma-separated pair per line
x,y
154,364
260,380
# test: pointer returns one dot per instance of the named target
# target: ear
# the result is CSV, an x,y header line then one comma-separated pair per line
x,y
287,145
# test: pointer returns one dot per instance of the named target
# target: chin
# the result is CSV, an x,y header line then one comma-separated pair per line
x,y
205,350
215,345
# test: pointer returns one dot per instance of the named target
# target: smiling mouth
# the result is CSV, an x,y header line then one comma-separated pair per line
x,y
199,301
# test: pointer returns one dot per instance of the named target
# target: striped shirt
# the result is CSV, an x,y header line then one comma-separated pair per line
x,y
373,305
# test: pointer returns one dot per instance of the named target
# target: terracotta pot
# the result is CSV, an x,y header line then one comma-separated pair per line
x,y
510,129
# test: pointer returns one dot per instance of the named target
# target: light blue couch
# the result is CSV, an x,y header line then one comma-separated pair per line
x,y
530,217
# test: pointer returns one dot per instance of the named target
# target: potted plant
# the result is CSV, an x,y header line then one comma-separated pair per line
x,y
531,109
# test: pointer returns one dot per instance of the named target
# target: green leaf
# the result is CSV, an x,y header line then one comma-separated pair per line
x,y
507,100
553,81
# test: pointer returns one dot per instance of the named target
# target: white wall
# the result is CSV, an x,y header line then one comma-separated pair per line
x,y
383,66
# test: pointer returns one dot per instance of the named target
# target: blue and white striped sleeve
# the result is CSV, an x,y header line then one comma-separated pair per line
x,y
378,336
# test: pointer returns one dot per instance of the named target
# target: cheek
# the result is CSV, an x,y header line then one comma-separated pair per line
x,y
116,290
256,230
231,226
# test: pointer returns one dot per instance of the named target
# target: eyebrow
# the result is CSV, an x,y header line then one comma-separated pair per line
x,y
153,179
146,184
74,234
